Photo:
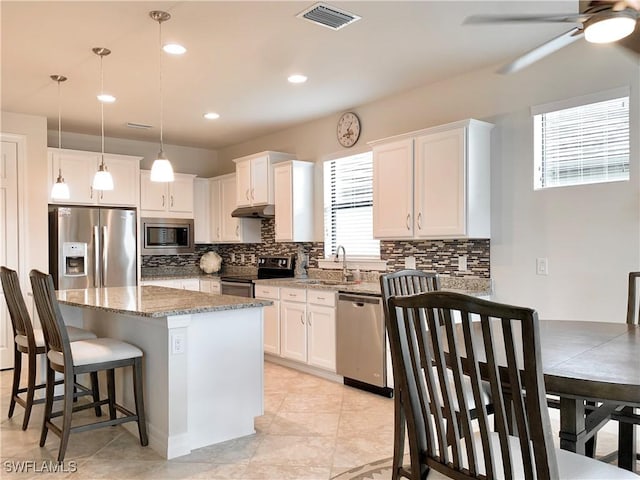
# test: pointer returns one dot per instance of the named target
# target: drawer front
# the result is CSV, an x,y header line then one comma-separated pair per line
x,y
293,294
322,297
267,291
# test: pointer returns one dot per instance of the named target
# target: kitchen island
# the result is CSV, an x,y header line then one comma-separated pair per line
x,y
203,358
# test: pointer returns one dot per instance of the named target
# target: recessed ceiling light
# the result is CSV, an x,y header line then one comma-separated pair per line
x,y
211,116
174,49
106,98
297,78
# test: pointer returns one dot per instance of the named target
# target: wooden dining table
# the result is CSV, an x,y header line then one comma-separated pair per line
x,y
593,362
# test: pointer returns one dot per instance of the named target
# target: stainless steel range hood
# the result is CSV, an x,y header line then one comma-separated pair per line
x,y
261,211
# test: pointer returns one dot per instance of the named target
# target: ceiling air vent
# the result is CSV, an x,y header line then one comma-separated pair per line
x,y
327,16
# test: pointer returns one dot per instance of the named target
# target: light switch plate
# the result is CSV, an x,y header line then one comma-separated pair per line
x,y
410,262
462,263
542,266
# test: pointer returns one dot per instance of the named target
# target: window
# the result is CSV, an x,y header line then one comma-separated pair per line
x,y
582,144
348,206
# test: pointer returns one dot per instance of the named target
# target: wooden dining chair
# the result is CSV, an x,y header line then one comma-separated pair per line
x,y
75,358
464,336
30,342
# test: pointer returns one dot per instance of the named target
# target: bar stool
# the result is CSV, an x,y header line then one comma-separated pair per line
x,y
30,341
84,356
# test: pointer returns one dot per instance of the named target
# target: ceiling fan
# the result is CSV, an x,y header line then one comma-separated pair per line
x,y
598,21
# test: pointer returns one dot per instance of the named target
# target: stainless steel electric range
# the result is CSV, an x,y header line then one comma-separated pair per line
x,y
280,266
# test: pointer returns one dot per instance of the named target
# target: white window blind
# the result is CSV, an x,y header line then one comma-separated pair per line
x,y
348,206
582,144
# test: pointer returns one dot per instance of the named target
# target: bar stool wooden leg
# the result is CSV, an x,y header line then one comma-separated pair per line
x,y
48,405
138,396
95,392
17,370
111,392
66,419
31,388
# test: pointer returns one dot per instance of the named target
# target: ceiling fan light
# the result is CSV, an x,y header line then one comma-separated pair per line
x,y
60,190
161,170
174,49
610,28
106,98
102,180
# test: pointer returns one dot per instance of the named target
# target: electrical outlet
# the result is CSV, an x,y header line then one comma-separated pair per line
x,y
178,341
253,258
242,258
542,266
410,262
462,263
233,258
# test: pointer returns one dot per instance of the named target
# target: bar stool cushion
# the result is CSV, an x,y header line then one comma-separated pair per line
x,y
97,350
74,333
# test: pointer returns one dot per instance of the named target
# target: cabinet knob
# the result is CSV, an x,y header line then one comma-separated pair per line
x,y
408,221
163,200
252,197
246,194
90,192
420,221
237,230
172,200
302,319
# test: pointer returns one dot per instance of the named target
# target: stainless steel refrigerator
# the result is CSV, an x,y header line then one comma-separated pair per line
x,y
92,247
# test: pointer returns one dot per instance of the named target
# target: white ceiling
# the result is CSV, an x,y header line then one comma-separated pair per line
x,y
239,56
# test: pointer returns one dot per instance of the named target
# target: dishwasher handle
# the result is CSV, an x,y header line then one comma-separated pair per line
x,y
359,300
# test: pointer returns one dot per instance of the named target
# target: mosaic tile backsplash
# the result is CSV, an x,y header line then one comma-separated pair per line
x,y
440,256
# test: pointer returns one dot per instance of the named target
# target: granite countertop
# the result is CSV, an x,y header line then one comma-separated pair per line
x,y
469,286
151,301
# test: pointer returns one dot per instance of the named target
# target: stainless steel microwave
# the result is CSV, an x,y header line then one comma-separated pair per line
x,y
167,236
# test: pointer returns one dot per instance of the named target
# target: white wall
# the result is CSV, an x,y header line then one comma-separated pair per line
x,y
197,161
34,208
590,234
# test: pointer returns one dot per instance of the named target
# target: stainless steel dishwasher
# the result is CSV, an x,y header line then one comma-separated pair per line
x,y
361,343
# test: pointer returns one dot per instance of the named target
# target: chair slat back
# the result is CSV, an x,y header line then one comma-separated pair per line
x,y
53,327
20,319
633,313
407,282
472,340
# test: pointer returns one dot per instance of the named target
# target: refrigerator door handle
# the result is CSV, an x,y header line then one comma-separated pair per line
x,y
96,259
104,256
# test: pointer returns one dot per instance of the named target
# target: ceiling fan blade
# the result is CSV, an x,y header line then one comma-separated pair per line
x,y
542,51
632,42
565,18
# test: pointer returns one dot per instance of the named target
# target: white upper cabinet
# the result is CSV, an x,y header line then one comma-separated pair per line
x,y
168,199
78,169
223,227
434,183
254,178
293,185
201,211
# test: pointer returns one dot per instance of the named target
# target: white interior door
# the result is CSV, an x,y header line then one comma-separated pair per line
x,y
8,239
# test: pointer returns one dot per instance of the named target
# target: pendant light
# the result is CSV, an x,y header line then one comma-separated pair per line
x,y
161,170
102,179
60,190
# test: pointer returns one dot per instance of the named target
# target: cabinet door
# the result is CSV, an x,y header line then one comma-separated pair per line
x,y
393,190
215,210
153,195
181,195
229,226
125,181
293,344
201,210
78,169
243,183
322,337
440,184
261,177
272,328
192,284
283,181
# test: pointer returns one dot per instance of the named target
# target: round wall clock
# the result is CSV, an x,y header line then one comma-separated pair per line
x,y
348,129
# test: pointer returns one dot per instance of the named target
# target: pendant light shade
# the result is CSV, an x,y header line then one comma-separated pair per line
x,y
161,170
60,190
102,179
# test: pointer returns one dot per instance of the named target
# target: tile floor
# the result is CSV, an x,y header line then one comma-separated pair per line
x,y
312,429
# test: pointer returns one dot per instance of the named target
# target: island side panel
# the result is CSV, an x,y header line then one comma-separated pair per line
x,y
226,374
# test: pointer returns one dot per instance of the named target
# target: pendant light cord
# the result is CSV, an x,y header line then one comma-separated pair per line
x,y
102,110
161,98
59,124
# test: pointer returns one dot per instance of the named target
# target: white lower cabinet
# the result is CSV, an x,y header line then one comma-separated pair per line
x,y
271,318
180,283
308,327
210,285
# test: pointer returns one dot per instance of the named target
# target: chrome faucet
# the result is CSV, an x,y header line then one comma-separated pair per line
x,y
346,275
